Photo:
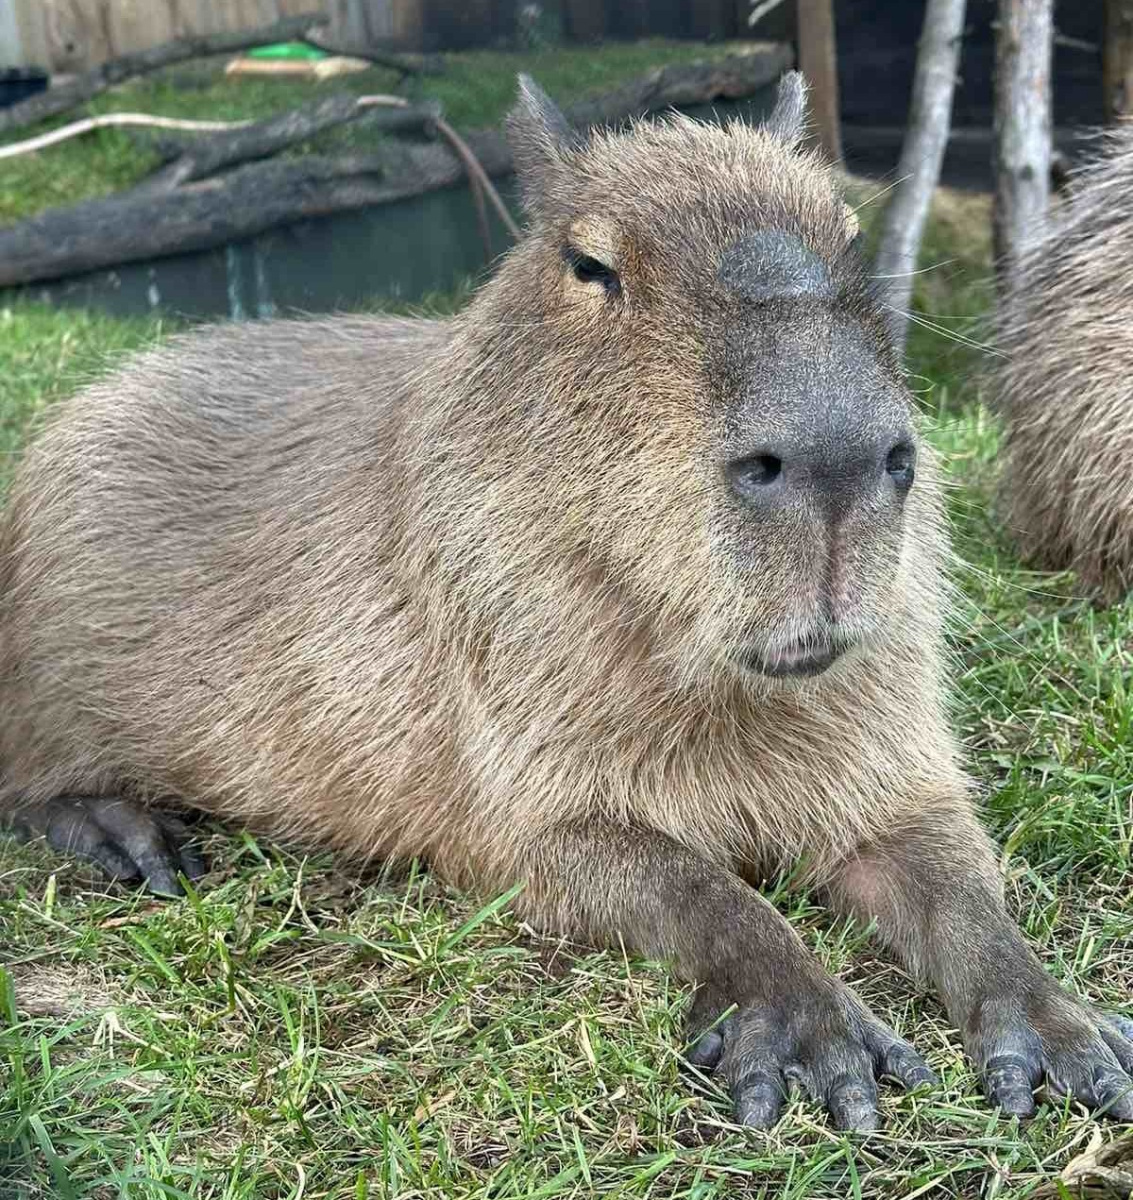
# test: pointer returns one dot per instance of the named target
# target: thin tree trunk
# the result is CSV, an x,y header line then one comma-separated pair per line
x,y
818,61
922,153
1117,60
1023,48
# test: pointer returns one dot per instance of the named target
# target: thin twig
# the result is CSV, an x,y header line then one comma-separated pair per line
x,y
477,174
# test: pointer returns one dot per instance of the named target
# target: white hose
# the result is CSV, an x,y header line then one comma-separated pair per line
x,y
127,118
87,124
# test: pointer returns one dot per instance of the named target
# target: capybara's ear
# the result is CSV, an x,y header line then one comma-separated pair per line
x,y
787,121
538,134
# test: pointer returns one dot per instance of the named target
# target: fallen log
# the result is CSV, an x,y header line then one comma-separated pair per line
x,y
729,78
143,223
66,96
138,225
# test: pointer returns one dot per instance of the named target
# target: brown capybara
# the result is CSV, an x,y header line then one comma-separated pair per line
x,y
1064,389
625,584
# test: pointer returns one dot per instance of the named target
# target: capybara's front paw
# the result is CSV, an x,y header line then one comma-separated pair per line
x,y
124,838
1022,1040
822,1037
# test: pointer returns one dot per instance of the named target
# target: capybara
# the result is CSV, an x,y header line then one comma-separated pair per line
x,y
624,584
1063,387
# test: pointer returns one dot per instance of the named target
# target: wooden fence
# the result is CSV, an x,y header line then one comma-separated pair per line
x,y
73,35
592,20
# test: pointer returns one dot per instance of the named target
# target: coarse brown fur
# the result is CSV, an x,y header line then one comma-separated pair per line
x,y
1063,387
474,590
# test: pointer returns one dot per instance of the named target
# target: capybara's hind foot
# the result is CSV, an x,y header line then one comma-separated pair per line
x,y
126,839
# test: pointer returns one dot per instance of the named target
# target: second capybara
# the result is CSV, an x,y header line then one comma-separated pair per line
x,y
1063,387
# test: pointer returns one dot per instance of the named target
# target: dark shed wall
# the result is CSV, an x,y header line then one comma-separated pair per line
x,y
877,48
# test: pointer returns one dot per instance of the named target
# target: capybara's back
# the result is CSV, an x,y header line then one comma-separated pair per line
x,y
204,554
1064,385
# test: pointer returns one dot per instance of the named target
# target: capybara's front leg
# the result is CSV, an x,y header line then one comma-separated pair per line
x,y
791,1020
933,888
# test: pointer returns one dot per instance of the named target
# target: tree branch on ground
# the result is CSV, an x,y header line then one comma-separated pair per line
x,y
142,224
407,64
201,157
731,77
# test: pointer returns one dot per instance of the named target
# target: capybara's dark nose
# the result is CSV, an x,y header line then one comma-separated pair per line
x,y
831,470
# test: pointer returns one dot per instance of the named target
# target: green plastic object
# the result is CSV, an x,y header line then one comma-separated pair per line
x,y
287,50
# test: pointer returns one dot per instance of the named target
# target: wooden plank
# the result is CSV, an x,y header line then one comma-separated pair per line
x,y
408,30
712,20
630,19
76,36
193,17
348,24
472,23
137,24
23,33
246,14
379,20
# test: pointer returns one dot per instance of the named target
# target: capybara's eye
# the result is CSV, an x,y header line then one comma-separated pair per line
x,y
901,465
591,270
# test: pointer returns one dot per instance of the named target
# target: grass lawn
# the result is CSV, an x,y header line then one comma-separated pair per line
x,y
289,1030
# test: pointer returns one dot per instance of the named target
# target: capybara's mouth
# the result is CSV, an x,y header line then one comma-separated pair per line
x,y
800,659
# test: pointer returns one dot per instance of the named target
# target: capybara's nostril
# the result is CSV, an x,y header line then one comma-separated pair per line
x,y
752,475
901,465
